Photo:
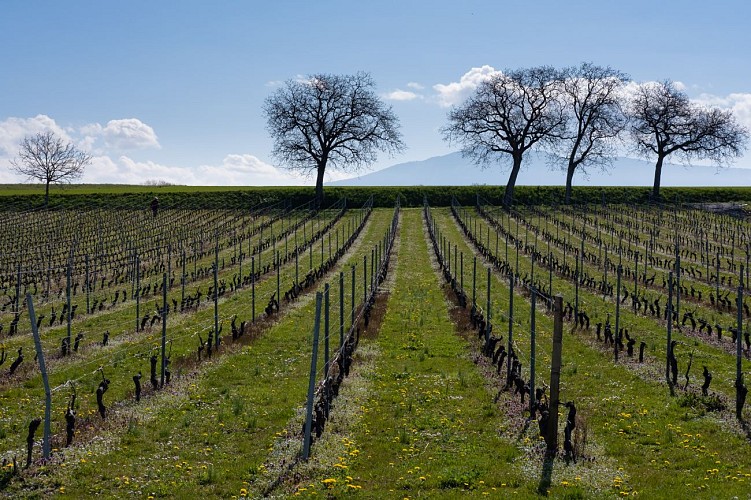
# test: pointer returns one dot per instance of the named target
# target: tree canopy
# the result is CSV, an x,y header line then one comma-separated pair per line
x,y
665,122
508,114
592,100
328,121
49,159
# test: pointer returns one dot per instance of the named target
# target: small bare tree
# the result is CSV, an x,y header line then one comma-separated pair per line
x,y
330,121
508,114
595,118
664,121
47,158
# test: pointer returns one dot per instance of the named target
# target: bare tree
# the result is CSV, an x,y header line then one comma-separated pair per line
x,y
595,118
664,121
508,114
330,121
47,158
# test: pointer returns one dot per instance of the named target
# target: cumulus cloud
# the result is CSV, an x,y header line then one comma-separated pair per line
x,y
13,130
123,134
233,170
455,92
739,103
246,170
415,85
129,133
110,166
402,95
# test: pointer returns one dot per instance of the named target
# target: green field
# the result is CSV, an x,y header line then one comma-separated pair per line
x,y
422,413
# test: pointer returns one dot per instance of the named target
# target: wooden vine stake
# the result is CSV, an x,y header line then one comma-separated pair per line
x,y
45,380
312,382
555,376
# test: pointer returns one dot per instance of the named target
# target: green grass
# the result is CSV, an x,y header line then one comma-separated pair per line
x,y
646,439
417,418
126,355
208,432
427,425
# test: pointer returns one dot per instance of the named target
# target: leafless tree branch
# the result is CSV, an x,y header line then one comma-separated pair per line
x,y
45,157
330,121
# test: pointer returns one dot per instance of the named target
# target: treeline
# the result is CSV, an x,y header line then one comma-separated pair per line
x,y
410,196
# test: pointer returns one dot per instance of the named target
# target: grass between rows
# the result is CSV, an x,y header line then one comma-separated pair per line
x,y
416,419
207,434
659,446
422,421
718,357
127,353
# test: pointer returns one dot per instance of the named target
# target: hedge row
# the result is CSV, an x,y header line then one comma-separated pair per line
x,y
411,196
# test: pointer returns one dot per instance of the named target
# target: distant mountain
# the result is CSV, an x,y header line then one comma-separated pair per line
x,y
453,170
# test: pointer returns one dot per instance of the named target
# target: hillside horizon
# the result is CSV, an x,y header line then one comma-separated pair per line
x,y
454,170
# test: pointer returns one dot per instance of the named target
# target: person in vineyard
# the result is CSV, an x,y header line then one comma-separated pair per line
x,y
154,205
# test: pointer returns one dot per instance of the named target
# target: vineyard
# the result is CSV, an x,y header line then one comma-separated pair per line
x,y
576,351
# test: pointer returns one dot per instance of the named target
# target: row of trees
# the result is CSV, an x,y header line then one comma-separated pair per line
x,y
578,116
581,115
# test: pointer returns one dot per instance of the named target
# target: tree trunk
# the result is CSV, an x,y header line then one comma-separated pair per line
x,y
47,194
508,195
569,178
658,173
319,185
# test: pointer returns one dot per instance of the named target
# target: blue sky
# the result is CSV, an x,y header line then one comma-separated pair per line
x,y
174,90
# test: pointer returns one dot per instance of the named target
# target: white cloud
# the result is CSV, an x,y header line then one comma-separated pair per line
x,y
109,166
630,88
13,130
123,134
129,133
246,170
739,103
234,170
402,95
455,92
415,85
